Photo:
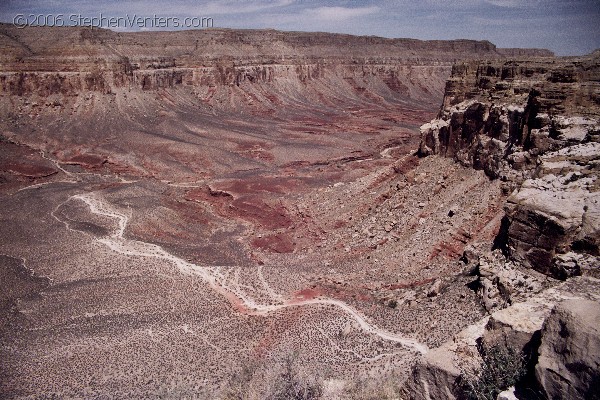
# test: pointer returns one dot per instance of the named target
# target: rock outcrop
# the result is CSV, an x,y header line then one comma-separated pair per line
x,y
555,218
437,374
567,85
569,363
536,126
501,282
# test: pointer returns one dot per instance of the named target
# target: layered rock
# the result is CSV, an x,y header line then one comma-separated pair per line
x,y
534,125
568,85
504,119
475,134
438,373
555,219
493,111
67,61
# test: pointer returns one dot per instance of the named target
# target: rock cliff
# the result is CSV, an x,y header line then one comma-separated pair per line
x,y
67,61
535,126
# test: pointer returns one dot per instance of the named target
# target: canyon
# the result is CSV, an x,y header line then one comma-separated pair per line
x,y
180,209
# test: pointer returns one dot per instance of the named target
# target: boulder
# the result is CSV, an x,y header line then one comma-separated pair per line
x,y
436,374
508,394
558,213
569,362
518,325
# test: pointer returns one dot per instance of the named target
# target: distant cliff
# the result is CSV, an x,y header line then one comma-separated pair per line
x,y
46,61
567,84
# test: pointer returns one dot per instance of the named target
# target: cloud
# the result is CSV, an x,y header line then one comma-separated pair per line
x,y
147,7
508,3
237,6
340,13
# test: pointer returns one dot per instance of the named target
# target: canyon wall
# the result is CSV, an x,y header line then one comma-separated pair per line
x,y
533,124
46,61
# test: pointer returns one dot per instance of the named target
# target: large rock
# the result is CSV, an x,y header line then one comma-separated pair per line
x,y
556,215
501,282
518,325
436,375
569,363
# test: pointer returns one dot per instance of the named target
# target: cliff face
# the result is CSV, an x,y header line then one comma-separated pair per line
x,y
256,182
67,61
535,125
567,85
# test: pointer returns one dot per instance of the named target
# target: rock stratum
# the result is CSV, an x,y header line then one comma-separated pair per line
x,y
535,126
295,85
187,213
67,61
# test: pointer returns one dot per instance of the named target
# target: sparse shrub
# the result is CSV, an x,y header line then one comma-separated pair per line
x,y
278,381
502,367
238,387
290,385
385,387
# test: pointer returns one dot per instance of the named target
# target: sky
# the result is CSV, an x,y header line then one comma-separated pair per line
x,y
568,27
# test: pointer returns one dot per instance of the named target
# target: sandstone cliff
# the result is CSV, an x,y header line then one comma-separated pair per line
x,y
67,61
536,126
